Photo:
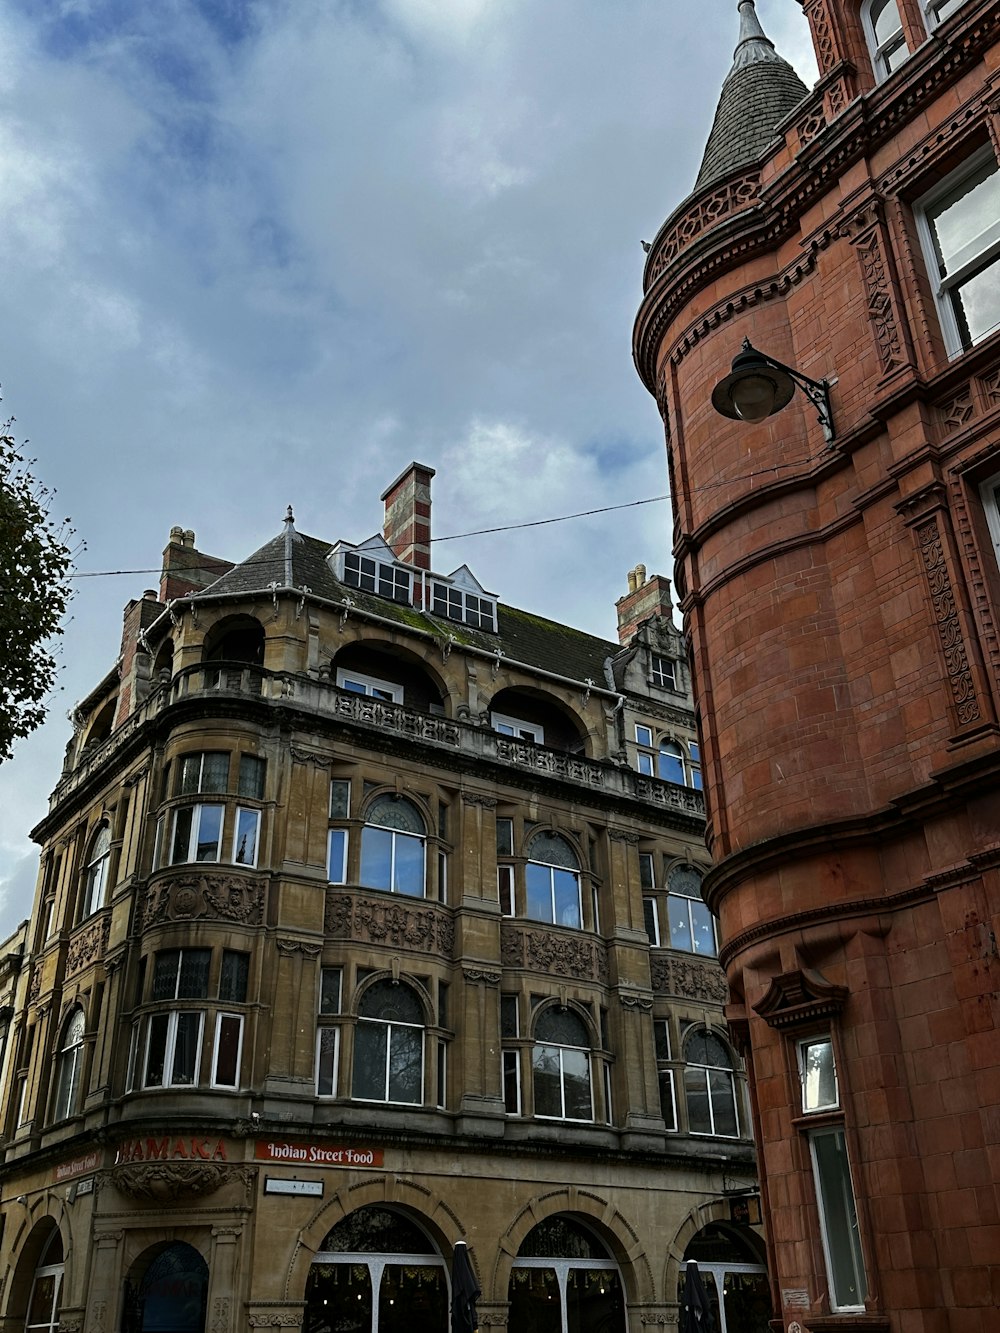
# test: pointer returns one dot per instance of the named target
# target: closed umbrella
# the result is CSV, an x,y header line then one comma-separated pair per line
x,y
464,1292
696,1313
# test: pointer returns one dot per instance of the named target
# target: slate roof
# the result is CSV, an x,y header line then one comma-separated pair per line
x,y
297,561
760,89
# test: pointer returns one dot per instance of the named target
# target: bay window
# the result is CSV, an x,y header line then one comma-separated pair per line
x,y
393,847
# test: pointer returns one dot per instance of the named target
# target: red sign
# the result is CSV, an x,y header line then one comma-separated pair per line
x,y
169,1149
80,1166
315,1154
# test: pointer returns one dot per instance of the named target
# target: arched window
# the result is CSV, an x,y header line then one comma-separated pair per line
x,y
884,33
692,926
46,1289
552,881
95,876
389,1045
560,1064
710,1086
564,1281
70,1066
667,758
376,1270
166,1289
392,847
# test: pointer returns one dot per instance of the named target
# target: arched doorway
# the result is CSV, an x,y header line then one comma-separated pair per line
x,y
166,1291
565,1281
729,1262
46,1288
377,1272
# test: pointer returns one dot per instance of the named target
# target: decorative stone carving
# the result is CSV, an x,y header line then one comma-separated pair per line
x,y
274,1319
87,945
864,231
990,385
549,761
562,955
289,947
623,835
300,756
168,1182
957,410
487,977
703,212
632,1001
949,627
474,798
404,924
215,897
396,719
690,979
35,984
98,1317
800,997
810,124
220,1314
822,35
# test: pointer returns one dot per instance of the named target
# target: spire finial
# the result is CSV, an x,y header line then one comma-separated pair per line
x,y
289,516
753,42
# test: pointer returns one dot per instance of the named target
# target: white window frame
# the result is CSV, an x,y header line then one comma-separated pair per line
x,y
393,1026
170,1050
880,52
662,672
588,1054
802,1055
342,833
133,1055
517,728
987,256
674,896
192,849
706,1070
664,1072
372,686
932,11
398,833
246,810
551,919
511,1061
823,1207
96,873
382,572
334,1066
458,605
238,1018
69,1067
649,901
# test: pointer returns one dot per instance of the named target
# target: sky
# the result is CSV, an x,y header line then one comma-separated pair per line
x,y
267,252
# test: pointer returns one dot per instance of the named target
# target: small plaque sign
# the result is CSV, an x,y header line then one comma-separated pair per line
x,y
279,1185
794,1298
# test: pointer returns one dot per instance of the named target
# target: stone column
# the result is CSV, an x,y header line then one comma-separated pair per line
x,y
106,1279
222,1278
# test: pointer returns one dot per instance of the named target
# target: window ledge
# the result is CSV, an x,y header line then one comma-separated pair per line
x,y
848,1322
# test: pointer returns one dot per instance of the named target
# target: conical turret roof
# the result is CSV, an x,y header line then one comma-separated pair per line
x,y
759,91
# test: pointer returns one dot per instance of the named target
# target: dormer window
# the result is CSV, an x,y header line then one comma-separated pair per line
x,y
377,576
457,604
662,672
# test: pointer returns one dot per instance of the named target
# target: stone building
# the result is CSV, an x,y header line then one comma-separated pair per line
x,y
837,567
369,920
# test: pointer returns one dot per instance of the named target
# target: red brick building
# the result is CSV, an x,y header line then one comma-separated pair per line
x,y
842,596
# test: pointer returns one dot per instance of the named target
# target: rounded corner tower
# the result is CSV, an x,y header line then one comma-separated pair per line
x,y
841,599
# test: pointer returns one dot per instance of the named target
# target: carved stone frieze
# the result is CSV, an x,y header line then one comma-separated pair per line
x,y
822,35
274,1319
958,409
864,231
475,798
558,954
481,975
394,718
87,945
164,1182
301,756
211,897
810,124
629,1000
948,624
705,211
623,835
289,947
35,984
990,385
689,978
403,923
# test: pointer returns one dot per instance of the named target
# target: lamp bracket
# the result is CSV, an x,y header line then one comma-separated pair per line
x,y
817,391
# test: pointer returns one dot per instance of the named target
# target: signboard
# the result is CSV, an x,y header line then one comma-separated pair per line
x,y
795,1298
279,1185
745,1210
79,1166
316,1154
171,1149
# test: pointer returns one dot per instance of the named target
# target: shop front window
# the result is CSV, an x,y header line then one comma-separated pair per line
x,y
46,1289
565,1281
377,1272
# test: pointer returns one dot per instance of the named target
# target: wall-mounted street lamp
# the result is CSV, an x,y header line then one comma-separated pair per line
x,y
758,386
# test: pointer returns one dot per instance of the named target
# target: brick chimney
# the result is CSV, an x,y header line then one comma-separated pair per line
x,y
645,599
407,528
186,569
